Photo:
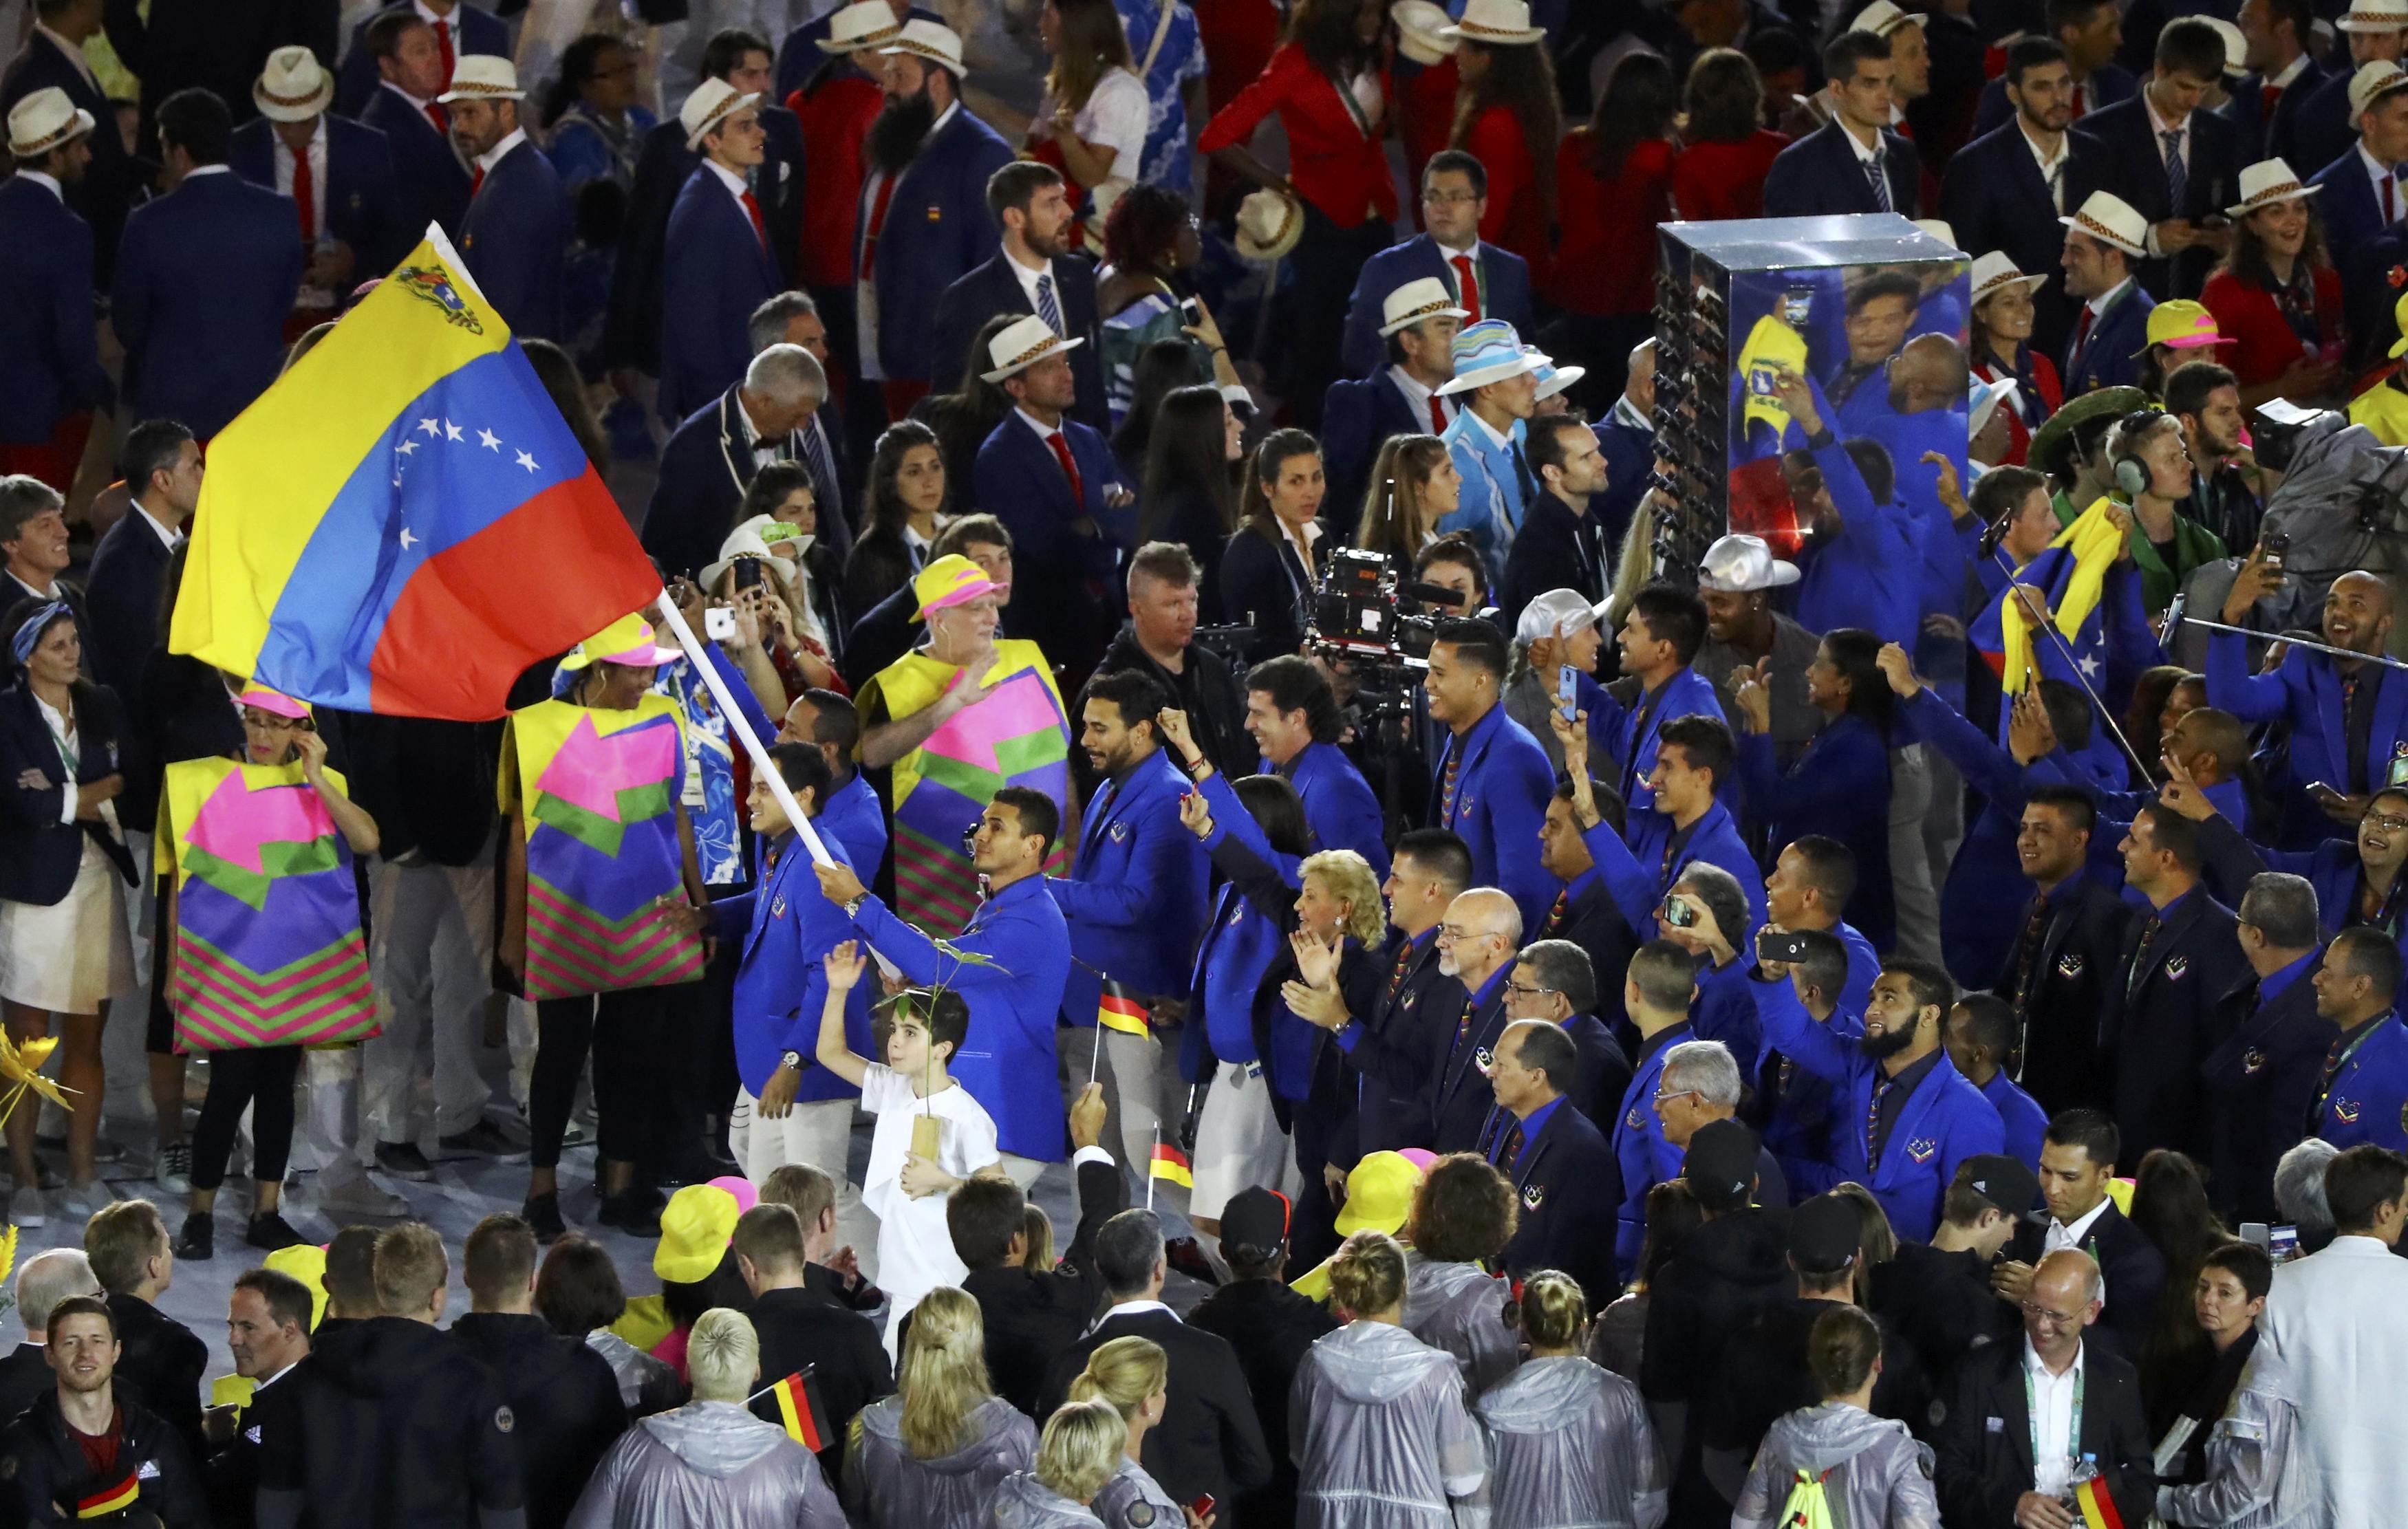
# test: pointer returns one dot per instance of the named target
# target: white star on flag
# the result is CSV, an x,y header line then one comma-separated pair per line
x,y
431,428
489,441
450,431
406,447
2091,667
527,462
408,540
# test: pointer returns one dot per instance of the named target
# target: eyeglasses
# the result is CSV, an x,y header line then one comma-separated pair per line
x,y
1452,932
268,723
2038,1312
1665,1096
1448,199
1528,989
2390,821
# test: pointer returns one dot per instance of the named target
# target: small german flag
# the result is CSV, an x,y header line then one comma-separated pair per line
x,y
798,1409
1118,1010
115,1499
1172,1164
2098,1508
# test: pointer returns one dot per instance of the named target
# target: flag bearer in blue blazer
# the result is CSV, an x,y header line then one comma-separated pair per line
x,y
1912,1117
1659,638
1135,895
717,265
2104,240
2363,1095
1292,715
1493,781
515,234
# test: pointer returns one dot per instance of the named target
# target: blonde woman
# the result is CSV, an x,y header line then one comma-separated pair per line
x,y
1568,1441
1077,1458
935,1451
1134,1375
1414,485
1376,1421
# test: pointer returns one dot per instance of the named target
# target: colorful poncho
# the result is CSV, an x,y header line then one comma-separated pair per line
x,y
600,794
1019,735
268,949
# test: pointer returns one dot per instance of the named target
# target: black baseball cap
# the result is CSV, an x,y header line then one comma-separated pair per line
x,y
1824,1233
1721,1163
2002,1180
1255,1218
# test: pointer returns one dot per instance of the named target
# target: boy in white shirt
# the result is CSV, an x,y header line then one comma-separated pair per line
x,y
912,1167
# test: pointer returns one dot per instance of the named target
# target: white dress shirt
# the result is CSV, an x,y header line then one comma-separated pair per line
x,y
1419,397
2052,167
1027,278
169,536
2052,1420
2061,1237
284,173
492,156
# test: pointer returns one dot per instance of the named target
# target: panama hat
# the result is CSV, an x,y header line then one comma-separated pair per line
x,y
1421,34
866,23
628,640
1488,351
1881,19
2373,83
709,104
1994,272
931,40
294,87
2264,183
43,121
2374,16
1023,345
483,76
1270,224
2110,220
1423,297
1496,23
754,538
2236,46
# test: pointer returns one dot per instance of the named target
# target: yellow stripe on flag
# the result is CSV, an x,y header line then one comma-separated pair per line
x,y
1172,1164
1126,1015
2095,544
2098,1508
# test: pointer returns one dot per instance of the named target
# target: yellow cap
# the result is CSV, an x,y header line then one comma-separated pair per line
x,y
1378,1195
628,640
948,580
2185,325
695,1229
306,1263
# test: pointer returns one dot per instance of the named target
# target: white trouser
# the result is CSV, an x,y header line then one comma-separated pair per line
x,y
819,1133
434,951
1239,1142
327,1134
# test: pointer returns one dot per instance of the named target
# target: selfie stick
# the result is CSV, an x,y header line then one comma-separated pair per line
x,y
2072,664
2176,619
764,768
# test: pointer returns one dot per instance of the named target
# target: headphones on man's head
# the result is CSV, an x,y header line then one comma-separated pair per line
x,y
2132,475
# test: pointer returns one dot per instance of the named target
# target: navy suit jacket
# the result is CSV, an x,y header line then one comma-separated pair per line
x,y
515,240
1504,293
937,228
1135,895
2124,150
1630,458
114,177
2109,83
473,31
46,314
990,291
703,470
715,271
2110,357
1019,481
122,594
632,333
801,52
204,280
1994,197
1820,175
2352,216
39,853
2246,107
2320,130
360,195
1357,415
1569,1185
430,186
2261,1082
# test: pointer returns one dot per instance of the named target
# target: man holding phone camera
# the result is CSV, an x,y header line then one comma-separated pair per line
x,y
2349,717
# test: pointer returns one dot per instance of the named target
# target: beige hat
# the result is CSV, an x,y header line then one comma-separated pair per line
x,y
937,43
294,87
2264,183
2110,220
1497,23
1881,19
2373,82
865,23
1422,31
1023,345
43,121
1423,297
2376,16
711,103
1270,224
1939,228
1994,271
2236,46
483,76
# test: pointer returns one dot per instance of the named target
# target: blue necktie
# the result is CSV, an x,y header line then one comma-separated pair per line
x,y
2177,173
1877,172
1047,309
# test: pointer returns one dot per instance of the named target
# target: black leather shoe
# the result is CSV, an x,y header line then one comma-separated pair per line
x,y
542,1212
198,1243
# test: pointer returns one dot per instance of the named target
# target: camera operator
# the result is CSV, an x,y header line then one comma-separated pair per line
x,y
1158,641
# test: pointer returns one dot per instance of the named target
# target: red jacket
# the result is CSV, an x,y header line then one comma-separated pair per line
x,y
1725,179
1605,265
1425,119
836,118
1333,162
1517,214
2245,313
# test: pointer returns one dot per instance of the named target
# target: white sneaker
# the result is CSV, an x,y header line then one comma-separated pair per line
x,y
25,1207
81,1201
359,1195
174,1170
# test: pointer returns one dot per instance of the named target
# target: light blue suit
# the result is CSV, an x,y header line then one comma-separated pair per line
x,y
1490,510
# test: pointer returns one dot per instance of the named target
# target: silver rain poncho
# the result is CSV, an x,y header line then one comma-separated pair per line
x,y
1023,1502
1380,1434
1570,1444
2257,1474
1460,1308
1133,1499
707,1462
1879,1473
888,1489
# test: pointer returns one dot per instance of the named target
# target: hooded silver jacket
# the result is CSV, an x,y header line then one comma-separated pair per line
x,y
1460,1308
2256,1474
1879,1475
1569,1448
1133,1499
886,1489
1023,1502
707,1462
1380,1434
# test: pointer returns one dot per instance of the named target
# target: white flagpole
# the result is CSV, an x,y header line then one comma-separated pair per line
x,y
1149,1165
762,768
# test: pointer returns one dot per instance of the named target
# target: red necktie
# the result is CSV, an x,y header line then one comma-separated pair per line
x,y
2081,331
443,43
2080,100
876,224
1438,416
1468,286
1069,469
304,196
2390,208
476,178
752,210
2269,98
440,117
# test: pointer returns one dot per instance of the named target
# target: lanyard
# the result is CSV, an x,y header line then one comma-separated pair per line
x,y
70,755
2073,1429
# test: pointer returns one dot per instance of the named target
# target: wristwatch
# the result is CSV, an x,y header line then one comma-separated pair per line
x,y
792,1060
852,906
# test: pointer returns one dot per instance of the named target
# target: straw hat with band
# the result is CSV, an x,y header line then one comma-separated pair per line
x,y
2373,83
1993,273
2374,16
948,580
1423,297
1022,345
2264,183
709,104
628,640
865,23
1270,224
293,88
483,76
1882,17
1422,32
43,121
2236,46
1495,24
931,41
2109,219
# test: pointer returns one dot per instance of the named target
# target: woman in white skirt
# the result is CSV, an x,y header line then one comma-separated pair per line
x,y
65,947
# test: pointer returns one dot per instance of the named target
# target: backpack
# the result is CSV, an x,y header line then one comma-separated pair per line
x,y
1809,1503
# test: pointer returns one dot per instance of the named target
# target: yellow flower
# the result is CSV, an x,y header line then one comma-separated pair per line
x,y
7,1254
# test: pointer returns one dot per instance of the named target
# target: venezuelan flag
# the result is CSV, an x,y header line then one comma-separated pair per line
x,y
1117,1010
403,522
1172,1164
108,1500
2071,576
798,1409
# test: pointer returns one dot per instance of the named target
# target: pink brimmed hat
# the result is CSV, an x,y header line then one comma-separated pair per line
x,y
949,580
275,703
628,640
